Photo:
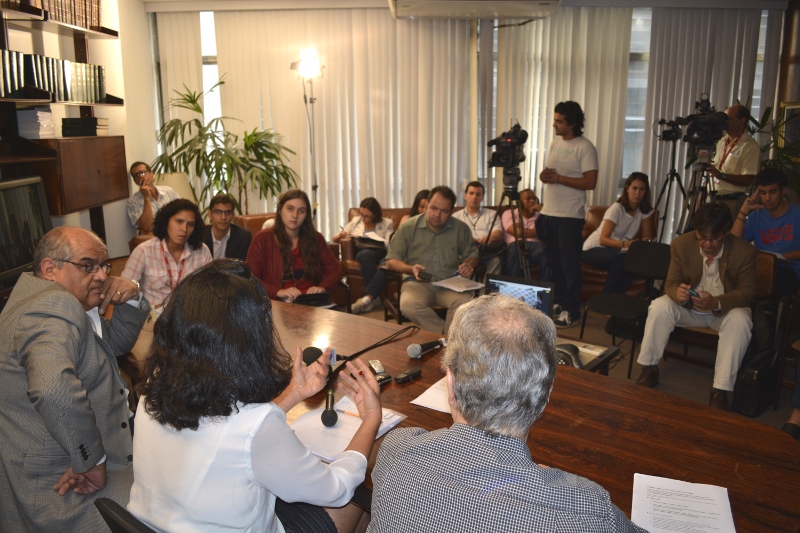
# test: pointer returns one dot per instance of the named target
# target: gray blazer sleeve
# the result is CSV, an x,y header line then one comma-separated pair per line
x,y
125,325
52,337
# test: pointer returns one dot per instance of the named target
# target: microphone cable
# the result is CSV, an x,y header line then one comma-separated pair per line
x,y
378,344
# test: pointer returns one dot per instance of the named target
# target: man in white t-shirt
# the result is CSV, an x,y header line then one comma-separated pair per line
x,y
736,160
570,171
484,224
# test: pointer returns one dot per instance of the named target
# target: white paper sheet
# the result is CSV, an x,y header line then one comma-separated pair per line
x,y
459,284
663,505
327,443
435,397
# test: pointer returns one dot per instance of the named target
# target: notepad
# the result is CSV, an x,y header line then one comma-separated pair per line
x,y
328,443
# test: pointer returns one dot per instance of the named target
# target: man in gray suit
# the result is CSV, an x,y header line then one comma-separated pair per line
x,y
64,416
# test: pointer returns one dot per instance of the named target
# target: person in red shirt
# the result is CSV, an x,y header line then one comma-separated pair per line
x,y
292,258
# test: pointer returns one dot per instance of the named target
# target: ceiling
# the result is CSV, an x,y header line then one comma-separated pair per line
x,y
242,5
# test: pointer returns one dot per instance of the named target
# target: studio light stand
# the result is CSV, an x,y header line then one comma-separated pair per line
x,y
308,68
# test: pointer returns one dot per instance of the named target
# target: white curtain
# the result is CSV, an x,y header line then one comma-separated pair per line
x,y
392,109
692,52
578,54
181,64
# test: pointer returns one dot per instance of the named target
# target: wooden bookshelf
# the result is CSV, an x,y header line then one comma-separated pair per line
x,y
79,173
62,28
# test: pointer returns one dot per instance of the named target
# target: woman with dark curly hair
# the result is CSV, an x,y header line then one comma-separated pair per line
x,y
158,265
292,258
213,450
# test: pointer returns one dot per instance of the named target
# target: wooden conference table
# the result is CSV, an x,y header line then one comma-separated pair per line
x,y
597,427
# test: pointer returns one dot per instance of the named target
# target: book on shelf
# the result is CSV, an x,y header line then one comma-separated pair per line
x,y
81,13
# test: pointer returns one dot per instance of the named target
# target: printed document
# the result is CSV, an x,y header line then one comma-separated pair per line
x,y
435,397
327,443
663,505
459,284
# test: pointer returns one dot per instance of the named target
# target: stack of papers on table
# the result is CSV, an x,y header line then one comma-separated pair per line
x,y
663,505
328,443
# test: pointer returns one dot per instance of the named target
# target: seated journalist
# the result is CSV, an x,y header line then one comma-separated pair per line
x,y
212,446
292,258
478,474
178,250
720,268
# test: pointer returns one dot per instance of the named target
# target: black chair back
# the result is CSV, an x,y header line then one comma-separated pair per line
x,y
118,519
649,260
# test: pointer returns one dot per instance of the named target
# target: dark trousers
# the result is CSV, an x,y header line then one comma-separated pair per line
x,y
611,259
562,252
374,279
511,258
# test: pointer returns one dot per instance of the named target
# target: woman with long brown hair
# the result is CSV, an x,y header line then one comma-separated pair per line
x,y
292,258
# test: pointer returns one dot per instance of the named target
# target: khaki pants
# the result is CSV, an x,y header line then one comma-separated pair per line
x,y
417,300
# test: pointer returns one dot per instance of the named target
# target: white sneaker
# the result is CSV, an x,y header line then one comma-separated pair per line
x,y
365,305
564,320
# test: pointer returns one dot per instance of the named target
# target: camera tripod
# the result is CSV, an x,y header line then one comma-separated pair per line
x,y
666,187
511,177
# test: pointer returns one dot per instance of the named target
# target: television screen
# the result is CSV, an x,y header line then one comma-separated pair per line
x,y
24,219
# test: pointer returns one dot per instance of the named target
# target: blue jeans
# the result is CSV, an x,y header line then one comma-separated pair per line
x,y
374,279
611,259
511,257
562,252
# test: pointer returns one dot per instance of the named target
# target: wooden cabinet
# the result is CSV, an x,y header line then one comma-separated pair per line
x,y
87,172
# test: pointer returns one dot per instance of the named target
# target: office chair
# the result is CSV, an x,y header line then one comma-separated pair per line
x,y
649,260
118,519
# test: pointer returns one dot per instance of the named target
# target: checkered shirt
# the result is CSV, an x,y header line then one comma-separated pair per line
x,y
146,265
461,479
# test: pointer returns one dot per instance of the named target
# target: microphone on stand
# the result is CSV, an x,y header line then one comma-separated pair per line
x,y
329,416
416,351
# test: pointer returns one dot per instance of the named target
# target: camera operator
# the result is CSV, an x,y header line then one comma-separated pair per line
x,y
736,160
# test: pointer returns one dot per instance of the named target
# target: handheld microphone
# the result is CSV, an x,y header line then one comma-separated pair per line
x,y
416,351
329,416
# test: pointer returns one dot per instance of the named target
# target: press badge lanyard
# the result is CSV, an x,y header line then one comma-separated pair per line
x,y
728,149
169,270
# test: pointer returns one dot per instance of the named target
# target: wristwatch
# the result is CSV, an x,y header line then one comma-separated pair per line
x,y
138,289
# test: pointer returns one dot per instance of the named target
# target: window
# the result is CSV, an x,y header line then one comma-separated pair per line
x,y
637,92
212,105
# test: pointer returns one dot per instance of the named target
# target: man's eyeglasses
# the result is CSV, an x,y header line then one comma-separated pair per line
x,y
713,240
140,174
218,212
89,268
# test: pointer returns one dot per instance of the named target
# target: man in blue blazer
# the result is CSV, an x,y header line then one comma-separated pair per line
x,y
224,238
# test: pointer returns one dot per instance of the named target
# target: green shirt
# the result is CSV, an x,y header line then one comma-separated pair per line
x,y
440,253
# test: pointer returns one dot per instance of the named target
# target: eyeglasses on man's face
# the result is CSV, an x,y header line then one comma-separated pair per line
x,y
220,212
140,174
89,268
713,240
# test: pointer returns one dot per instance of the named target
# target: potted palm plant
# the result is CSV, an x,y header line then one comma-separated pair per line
x,y
217,159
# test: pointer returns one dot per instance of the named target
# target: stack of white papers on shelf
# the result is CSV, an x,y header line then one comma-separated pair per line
x,y
328,443
36,123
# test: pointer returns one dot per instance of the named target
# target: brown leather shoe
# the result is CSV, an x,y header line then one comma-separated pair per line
x,y
719,399
649,376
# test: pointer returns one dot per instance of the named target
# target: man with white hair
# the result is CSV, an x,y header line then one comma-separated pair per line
x,y
478,474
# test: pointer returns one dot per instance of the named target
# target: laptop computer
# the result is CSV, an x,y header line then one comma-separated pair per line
x,y
538,294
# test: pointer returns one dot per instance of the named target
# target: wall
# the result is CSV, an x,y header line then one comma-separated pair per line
x,y
129,75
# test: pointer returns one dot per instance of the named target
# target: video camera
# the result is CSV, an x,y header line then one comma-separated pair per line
x,y
509,154
705,126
